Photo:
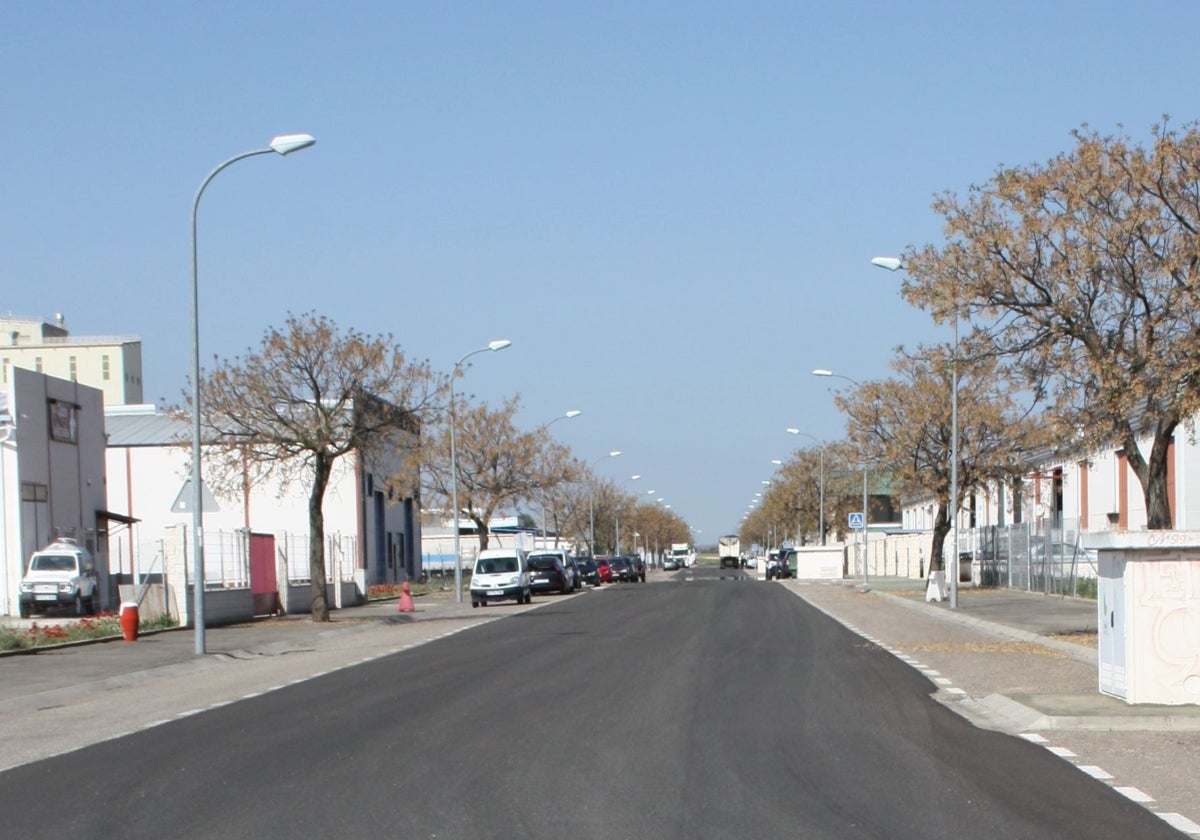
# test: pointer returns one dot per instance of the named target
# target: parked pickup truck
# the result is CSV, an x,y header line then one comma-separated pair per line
x,y
60,575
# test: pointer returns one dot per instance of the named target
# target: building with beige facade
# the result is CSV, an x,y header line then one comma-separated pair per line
x,y
112,363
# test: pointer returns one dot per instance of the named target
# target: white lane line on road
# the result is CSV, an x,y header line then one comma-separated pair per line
x,y
941,681
1134,794
1062,752
1034,738
1180,823
1095,772
956,691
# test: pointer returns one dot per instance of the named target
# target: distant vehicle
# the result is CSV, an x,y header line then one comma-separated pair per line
x,y
60,575
604,566
683,554
780,565
589,572
729,551
501,574
670,564
621,570
547,574
564,557
637,568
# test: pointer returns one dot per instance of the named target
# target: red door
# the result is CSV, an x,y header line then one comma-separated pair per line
x,y
262,574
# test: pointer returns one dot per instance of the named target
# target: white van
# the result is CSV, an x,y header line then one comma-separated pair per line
x,y
500,574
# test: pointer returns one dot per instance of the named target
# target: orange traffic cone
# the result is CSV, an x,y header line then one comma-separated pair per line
x,y
406,601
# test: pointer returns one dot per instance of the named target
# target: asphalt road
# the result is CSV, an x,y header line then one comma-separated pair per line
x,y
696,706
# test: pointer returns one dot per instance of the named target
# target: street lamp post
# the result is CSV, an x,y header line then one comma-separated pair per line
x,y
617,517
894,264
821,454
494,346
592,503
568,415
865,518
284,144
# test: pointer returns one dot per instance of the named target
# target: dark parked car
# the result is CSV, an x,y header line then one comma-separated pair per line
x,y
637,567
589,572
780,565
567,561
621,569
546,574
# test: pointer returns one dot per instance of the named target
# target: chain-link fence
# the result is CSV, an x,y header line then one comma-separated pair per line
x,y
1015,557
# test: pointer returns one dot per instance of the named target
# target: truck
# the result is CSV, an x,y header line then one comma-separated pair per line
x,y
60,575
728,547
682,554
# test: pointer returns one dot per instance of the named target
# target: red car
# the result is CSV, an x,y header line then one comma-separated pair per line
x,y
606,570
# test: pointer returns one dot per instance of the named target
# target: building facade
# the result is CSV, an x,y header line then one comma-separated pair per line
x,y
112,364
51,475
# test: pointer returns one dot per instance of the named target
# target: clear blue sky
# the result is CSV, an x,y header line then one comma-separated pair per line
x,y
669,208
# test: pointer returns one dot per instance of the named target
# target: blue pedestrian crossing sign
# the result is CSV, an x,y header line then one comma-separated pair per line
x,y
856,519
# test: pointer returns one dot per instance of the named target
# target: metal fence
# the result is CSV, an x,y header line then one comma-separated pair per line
x,y
341,554
1015,557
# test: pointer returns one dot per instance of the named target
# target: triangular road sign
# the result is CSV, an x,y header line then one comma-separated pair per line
x,y
183,501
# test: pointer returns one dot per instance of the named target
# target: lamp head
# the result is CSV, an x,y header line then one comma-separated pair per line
x,y
574,412
285,144
890,263
822,372
498,344
614,453
792,431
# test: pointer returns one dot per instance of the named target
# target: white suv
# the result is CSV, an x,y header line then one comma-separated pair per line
x,y
61,574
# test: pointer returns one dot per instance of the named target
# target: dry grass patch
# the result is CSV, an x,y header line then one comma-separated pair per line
x,y
985,647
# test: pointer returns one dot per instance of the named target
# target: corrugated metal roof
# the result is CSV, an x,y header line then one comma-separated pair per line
x,y
144,428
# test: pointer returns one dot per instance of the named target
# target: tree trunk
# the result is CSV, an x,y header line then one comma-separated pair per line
x,y
1152,474
316,538
481,528
941,527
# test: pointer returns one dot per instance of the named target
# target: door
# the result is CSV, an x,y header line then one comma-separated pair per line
x,y
262,574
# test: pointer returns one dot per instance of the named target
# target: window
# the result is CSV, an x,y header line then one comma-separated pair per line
x,y
64,422
33,492
37,363
105,369
73,369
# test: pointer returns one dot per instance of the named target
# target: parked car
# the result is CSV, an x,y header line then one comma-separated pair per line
x,y
604,565
567,561
547,574
637,568
780,564
589,572
60,575
670,564
622,571
500,574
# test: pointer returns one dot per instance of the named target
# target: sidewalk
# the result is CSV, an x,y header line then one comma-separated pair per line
x,y
1026,664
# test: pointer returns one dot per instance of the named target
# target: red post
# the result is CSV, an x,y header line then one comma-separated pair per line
x,y
129,620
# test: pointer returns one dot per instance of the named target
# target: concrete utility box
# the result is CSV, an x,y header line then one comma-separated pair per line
x,y
1148,613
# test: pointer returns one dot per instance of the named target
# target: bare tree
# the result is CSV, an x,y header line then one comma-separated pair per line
x,y
495,463
1084,272
308,396
905,428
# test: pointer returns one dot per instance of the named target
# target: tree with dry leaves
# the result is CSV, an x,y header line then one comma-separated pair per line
x,y
497,462
904,428
306,398
1083,272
